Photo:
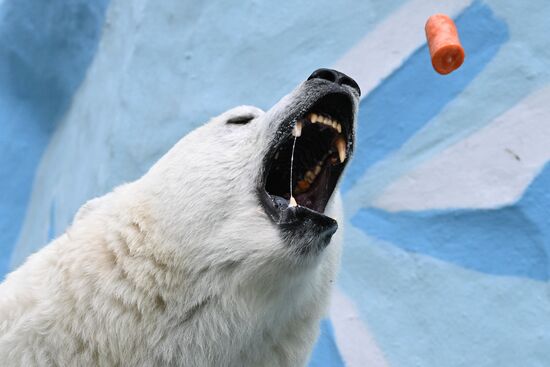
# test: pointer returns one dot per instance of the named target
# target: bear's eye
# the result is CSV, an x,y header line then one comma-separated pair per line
x,y
240,120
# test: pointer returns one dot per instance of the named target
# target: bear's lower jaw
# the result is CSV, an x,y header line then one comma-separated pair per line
x,y
306,230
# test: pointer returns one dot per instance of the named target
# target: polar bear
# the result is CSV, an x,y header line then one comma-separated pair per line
x,y
206,260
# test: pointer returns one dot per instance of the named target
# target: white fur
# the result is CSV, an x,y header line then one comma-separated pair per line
x,y
181,267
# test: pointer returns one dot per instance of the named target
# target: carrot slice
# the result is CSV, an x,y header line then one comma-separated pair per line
x,y
445,49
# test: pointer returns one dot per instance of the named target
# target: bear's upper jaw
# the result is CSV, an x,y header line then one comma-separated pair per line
x,y
322,137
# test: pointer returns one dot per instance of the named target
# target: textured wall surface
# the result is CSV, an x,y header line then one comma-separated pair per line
x,y
446,260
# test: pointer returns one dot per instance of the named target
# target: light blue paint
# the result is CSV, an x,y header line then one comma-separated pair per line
x,y
415,93
513,240
326,352
45,48
431,313
51,224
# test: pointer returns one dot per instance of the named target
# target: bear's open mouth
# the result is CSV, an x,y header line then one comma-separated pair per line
x,y
323,147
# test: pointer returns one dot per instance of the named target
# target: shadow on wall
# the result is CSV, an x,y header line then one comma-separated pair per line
x,y
45,49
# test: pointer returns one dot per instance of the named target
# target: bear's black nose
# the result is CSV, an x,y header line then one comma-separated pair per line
x,y
336,77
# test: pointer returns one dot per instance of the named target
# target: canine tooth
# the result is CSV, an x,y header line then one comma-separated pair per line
x,y
341,146
297,130
292,202
334,124
338,127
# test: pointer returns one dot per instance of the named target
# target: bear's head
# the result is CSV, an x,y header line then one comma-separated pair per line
x,y
223,192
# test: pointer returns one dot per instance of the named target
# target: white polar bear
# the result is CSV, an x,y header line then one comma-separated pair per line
x,y
202,261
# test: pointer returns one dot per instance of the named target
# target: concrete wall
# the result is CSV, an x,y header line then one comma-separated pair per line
x,y
448,208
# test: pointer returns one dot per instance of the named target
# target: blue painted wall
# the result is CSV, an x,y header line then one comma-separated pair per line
x,y
408,100
93,92
45,49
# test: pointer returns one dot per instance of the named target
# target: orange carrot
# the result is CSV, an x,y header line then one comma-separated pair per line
x,y
445,49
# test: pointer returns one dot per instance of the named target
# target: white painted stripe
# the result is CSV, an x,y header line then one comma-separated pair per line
x,y
488,169
392,41
356,345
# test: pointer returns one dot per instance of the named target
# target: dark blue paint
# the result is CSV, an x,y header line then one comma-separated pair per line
x,y
326,352
45,49
512,240
415,93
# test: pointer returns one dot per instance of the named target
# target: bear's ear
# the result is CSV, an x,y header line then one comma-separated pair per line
x,y
241,120
241,115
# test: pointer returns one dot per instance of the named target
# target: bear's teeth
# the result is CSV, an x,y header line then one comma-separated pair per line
x,y
313,117
309,176
297,130
329,122
317,170
341,146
